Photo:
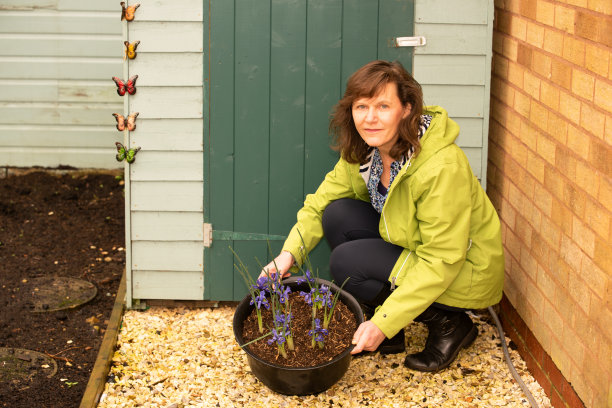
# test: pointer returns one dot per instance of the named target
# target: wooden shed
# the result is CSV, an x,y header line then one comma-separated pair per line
x,y
234,100
56,60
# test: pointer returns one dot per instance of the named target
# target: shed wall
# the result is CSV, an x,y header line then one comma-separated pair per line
x,y
57,58
165,259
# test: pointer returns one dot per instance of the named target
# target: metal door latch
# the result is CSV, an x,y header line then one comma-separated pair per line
x,y
409,41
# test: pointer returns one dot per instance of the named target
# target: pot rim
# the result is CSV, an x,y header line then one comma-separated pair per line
x,y
294,279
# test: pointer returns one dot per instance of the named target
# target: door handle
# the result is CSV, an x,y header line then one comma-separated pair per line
x,y
410,41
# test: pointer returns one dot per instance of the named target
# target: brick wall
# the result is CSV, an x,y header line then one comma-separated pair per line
x,y
550,177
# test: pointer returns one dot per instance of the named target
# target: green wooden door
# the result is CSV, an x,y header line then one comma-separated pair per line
x,y
274,70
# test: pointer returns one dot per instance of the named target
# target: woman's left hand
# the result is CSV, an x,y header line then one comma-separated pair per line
x,y
367,337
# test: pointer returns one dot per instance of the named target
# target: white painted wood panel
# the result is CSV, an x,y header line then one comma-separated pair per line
x,y
167,196
61,45
158,166
175,10
458,100
474,155
57,114
168,134
167,255
53,157
59,22
52,90
451,12
176,285
167,102
89,5
164,69
450,69
470,133
59,68
58,136
453,39
167,36
166,226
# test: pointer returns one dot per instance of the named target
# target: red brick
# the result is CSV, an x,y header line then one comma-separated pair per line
x,y
557,127
573,50
545,12
592,120
598,218
528,8
569,107
555,399
518,27
510,48
583,84
564,18
553,182
603,95
541,63
539,375
602,6
565,162
574,198
562,217
571,397
535,34
600,157
553,41
602,254
535,166
578,142
587,25
546,148
550,95
597,59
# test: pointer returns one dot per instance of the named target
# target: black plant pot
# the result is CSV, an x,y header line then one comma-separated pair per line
x,y
300,380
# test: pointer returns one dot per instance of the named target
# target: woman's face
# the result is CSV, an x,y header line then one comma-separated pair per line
x,y
377,119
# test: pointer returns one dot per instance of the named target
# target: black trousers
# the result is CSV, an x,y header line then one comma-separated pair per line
x,y
358,251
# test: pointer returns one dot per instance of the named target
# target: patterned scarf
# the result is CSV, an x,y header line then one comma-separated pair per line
x,y
372,170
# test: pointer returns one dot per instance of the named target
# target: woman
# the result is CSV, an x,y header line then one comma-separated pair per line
x,y
406,219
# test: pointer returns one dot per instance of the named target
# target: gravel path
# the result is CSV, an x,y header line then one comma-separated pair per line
x,y
173,358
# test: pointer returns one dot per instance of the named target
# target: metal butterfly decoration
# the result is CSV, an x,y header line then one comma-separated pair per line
x,y
129,155
128,123
123,87
127,13
130,49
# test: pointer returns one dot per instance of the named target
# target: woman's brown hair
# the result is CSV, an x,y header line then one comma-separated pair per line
x,y
367,82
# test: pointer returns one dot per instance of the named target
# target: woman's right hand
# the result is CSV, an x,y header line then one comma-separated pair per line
x,y
280,266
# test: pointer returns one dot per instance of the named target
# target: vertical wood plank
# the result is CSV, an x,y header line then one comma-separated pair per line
x,y
359,36
396,19
220,170
252,131
288,80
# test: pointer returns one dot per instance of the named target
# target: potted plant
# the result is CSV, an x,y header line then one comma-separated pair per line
x,y
297,332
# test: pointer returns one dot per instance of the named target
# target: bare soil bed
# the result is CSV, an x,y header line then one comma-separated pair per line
x,y
57,224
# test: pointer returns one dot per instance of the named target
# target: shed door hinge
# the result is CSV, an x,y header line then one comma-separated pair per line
x,y
210,235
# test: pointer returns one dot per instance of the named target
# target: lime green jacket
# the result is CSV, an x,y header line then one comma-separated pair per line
x,y
438,212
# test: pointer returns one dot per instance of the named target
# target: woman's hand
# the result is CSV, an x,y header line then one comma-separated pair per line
x,y
367,337
279,266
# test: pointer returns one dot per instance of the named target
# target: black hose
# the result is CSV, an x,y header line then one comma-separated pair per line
x,y
513,371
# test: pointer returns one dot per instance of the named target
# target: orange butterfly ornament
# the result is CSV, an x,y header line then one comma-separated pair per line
x,y
123,123
130,49
127,13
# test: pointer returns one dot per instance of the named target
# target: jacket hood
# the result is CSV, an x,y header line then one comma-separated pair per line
x,y
442,132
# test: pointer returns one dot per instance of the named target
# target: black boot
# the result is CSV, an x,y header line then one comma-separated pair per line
x,y
449,332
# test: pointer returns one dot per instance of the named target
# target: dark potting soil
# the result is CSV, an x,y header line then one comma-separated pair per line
x,y
341,330
65,225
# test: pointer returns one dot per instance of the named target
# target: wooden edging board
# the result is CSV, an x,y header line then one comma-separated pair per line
x,y
99,374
